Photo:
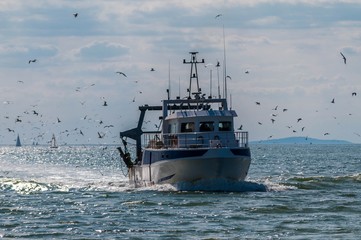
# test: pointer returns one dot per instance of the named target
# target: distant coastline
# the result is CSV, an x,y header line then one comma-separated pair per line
x,y
300,140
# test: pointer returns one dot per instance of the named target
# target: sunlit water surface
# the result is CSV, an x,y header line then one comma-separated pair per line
x,y
292,192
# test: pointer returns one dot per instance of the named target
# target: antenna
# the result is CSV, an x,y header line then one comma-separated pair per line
x,y
219,87
230,97
179,87
210,84
225,65
169,80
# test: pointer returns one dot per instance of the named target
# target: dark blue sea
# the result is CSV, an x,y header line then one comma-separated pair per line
x,y
81,192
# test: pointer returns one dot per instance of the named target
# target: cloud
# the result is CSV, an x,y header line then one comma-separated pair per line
x,y
103,50
266,21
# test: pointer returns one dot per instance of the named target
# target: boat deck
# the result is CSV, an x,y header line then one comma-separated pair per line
x,y
196,140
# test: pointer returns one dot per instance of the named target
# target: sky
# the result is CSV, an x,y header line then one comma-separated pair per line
x,y
290,49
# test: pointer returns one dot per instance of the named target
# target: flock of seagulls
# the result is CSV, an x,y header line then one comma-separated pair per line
x,y
101,134
297,128
39,124
32,118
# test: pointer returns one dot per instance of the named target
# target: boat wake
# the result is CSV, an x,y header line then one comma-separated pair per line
x,y
221,185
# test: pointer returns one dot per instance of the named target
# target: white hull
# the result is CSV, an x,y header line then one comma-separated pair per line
x,y
215,164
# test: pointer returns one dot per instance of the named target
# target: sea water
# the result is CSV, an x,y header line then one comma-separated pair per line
x,y
81,192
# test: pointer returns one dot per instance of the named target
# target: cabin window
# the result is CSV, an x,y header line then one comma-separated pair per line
x,y
206,126
187,127
225,126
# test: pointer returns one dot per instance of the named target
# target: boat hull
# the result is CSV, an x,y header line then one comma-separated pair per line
x,y
225,163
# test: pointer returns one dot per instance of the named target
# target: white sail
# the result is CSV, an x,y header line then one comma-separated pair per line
x,y
18,143
53,142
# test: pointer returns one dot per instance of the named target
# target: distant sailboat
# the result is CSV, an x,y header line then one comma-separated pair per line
x,y
18,143
53,142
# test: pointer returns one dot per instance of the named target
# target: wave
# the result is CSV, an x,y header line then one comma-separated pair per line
x,y
317,182
28,187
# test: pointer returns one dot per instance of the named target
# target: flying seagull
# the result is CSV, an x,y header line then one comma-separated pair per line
x,y
75,14
344,58
32,61
121,73
354,94
333,100
10,130
101,135
218,15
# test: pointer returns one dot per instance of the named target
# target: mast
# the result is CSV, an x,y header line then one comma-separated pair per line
x,y
193,74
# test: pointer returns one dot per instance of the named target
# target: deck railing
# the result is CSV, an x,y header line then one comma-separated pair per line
x,y
196,140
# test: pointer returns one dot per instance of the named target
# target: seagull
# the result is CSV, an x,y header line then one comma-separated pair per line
x,y
326,134
218,15
229,77
121,73
10,130
105,104
100,135
299,119
354,94
75,14
333,100
32,61
246,72
284,110
344,58
258,103
152,70
240,127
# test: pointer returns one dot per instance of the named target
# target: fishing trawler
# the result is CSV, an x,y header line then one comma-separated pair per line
x,y
195,142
